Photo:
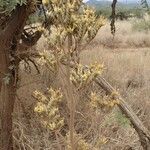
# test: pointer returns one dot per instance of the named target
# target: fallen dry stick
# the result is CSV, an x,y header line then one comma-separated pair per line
x,y
143,132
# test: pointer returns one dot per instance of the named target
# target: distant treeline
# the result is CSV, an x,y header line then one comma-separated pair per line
x,y
121,13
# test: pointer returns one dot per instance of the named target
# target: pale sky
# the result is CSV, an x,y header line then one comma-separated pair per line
x,y
118,0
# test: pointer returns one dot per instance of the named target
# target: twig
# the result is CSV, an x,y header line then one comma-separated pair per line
x,y
35,65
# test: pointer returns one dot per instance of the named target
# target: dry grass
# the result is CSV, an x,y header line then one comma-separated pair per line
x,y
127,68
126,59
125,36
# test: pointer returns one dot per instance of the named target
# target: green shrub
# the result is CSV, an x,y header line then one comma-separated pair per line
x,y
141,25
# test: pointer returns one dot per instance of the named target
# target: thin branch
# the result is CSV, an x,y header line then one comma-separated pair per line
x,y
113,17
35,65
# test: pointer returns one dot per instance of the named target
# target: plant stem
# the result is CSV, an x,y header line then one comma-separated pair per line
x,y
71,99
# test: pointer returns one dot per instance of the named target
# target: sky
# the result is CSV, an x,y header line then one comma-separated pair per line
x,y
124,1
119,0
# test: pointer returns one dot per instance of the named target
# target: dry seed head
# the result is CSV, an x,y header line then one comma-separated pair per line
x,y
50,60
82,25
40,108
80,145
45,2
98,102
48,110
82,76
101,141
39,96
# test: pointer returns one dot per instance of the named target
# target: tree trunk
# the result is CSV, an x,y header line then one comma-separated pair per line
x,y
9,38
7,98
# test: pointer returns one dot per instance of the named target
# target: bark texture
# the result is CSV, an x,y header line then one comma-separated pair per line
x,y
7,103
9,38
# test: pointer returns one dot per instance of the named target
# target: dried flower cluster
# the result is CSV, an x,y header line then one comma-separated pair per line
x,y
47,108
50,60
80,143
82,76
98,102
72,17
73,25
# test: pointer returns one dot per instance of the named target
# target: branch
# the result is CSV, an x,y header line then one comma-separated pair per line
x,y
35,65
113,17
16,22
30,40
143,132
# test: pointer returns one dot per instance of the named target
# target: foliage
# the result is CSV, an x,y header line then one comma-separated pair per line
x,y
48,59
127,10
77,24
106,12
122,13
74,23
6,6
144,4
141,25
122,120
137,12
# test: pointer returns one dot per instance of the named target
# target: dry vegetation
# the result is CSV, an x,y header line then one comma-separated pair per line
x,y
126,59
126,37
127,65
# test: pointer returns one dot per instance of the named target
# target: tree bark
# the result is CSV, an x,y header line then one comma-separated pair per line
x,y
7,99
12,32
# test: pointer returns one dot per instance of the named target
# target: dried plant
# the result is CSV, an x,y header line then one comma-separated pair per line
x,y
74,26
48,109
